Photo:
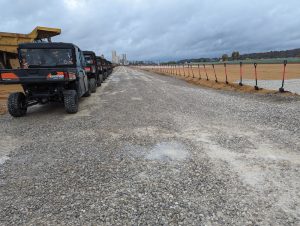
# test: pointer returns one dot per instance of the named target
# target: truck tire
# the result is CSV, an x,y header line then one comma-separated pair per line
x,y
99,81
71,101
93,85
16,104
88,92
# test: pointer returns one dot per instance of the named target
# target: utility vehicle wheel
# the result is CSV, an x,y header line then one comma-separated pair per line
x,y
88,93
16,104
99,82
93,85
71,101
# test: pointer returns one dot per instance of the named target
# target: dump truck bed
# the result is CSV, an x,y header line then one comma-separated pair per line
x,y
9,41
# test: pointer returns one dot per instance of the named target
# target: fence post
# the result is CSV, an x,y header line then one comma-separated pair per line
x,y
283,76
215,72
183,70
199,71
205,72
226,77
193,72
241,74
255,68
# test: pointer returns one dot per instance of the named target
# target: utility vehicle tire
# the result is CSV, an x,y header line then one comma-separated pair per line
x,y
88,93
16,104
71,101
93,85
99,81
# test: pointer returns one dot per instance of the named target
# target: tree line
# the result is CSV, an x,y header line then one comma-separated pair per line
x,y
264,55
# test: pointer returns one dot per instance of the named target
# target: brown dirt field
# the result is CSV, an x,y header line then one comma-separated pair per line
x,y
223,86
5,90
264,72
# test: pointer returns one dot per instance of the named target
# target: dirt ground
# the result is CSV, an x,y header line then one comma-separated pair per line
x,y
264,72
5,90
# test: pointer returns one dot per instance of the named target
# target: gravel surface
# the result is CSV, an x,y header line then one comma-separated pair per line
x,y
151,149
291,85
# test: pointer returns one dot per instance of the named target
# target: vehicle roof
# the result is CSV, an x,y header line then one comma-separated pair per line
x,y
46,45
89,52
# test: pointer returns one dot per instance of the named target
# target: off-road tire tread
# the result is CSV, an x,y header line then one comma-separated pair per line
x,y
93,85
13,104
71,101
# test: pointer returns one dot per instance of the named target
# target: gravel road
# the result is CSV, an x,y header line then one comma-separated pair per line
x,y
155,150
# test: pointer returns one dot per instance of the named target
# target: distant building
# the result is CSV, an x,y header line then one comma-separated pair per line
x,y
115,58
124,59
119,59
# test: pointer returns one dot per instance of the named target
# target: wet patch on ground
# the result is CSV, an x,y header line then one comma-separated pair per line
x,y
168,151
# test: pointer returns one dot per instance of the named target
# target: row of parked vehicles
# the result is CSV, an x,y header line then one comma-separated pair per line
x,y
54,72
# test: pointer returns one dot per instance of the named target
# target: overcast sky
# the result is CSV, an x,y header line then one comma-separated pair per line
x,y
161,29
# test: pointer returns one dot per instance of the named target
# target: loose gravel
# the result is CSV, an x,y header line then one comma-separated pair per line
x,y
291,85
153,150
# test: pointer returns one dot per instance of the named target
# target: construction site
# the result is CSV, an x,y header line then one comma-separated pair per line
x,y
87,140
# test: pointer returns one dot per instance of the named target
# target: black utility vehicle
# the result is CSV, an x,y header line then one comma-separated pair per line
x,y
50,72
101,67
110,67
107,67
91,68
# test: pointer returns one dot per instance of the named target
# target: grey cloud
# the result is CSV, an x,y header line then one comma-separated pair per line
x,y
162,29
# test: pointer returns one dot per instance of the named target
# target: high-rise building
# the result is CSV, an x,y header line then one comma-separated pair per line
x,y
124,59
119,59
114,59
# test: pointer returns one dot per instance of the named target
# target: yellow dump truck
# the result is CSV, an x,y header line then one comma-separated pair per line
x,y
9,44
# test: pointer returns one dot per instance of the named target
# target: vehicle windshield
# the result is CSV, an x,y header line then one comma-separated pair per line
x,y
88,59
46,57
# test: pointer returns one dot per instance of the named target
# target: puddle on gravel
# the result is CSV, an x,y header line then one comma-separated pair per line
x,y
7,144
168,151
3,160
137,98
